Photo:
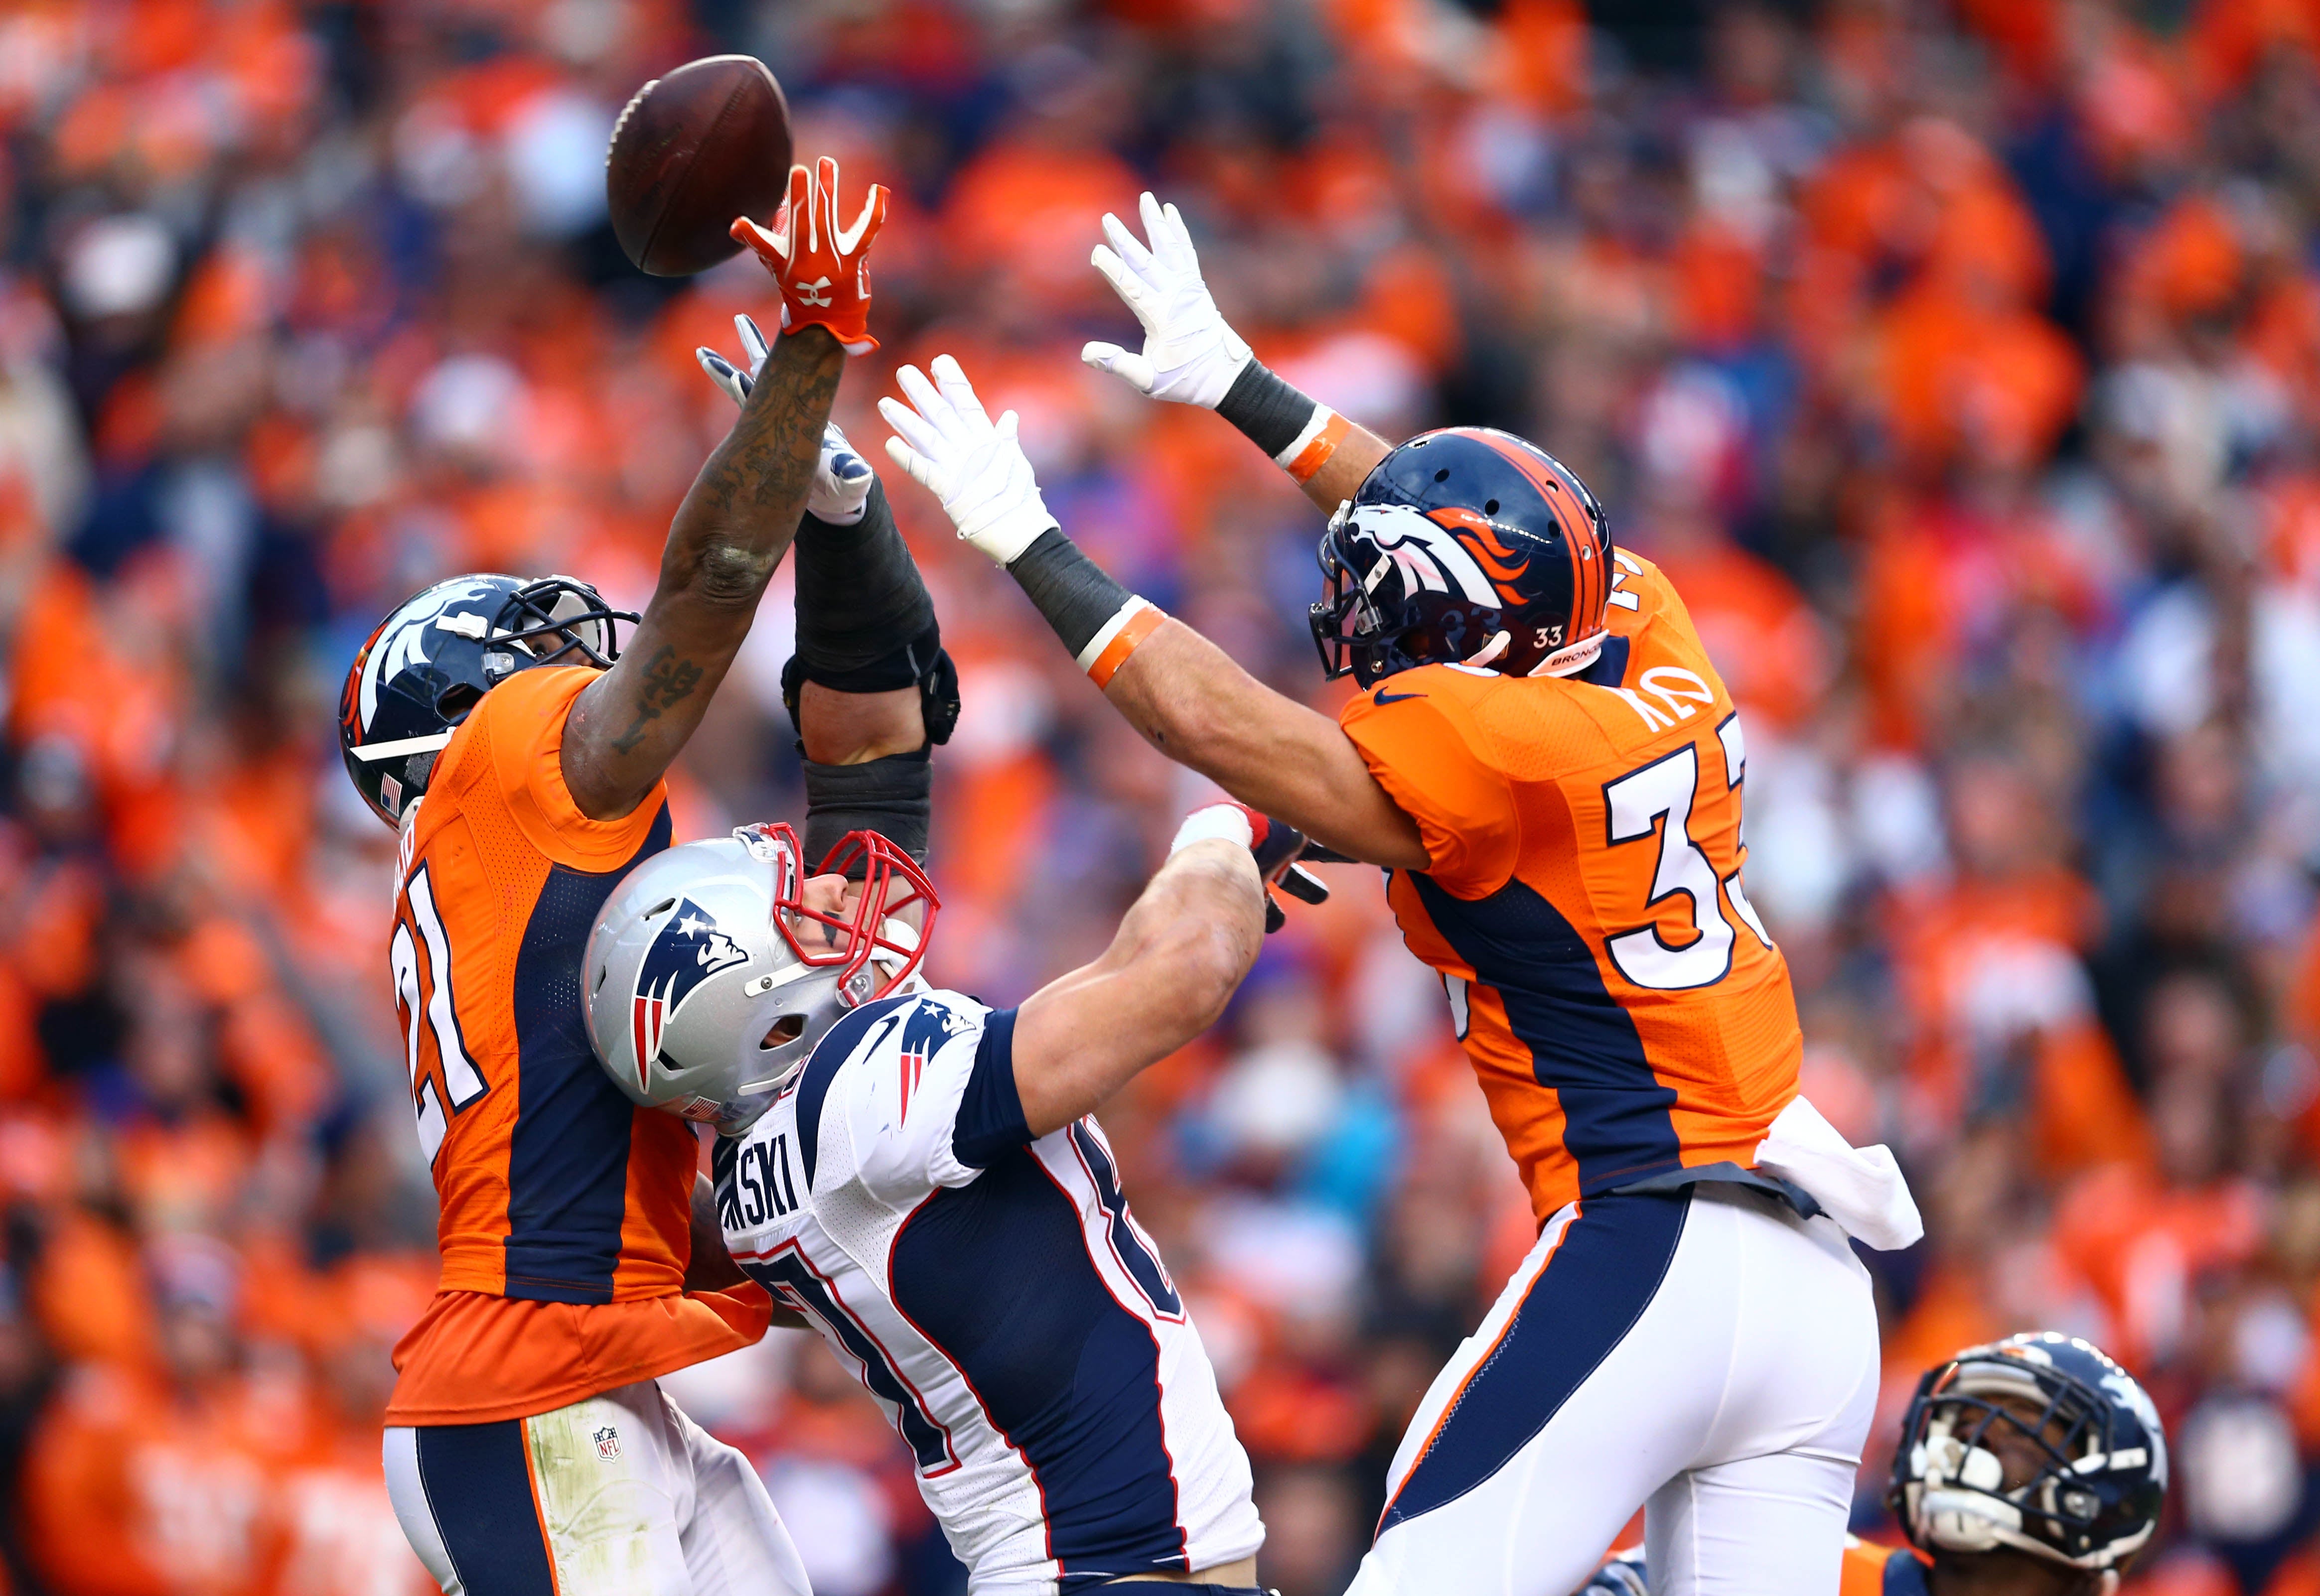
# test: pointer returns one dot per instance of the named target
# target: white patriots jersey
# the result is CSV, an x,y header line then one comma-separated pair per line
x,y
996,1297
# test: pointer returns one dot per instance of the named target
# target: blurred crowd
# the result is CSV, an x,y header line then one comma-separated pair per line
x,y
1960,361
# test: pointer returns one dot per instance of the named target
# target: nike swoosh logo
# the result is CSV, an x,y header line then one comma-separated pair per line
x,y
1396,697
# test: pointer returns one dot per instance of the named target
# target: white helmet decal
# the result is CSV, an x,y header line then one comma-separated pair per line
x,y
401,641
1427,554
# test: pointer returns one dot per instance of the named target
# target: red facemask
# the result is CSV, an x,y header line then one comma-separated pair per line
x,y
891,881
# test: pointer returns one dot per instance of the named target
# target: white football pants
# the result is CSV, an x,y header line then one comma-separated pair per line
x,y
1706,1355
617,1495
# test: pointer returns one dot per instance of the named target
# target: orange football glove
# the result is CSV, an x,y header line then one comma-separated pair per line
x,y
823,269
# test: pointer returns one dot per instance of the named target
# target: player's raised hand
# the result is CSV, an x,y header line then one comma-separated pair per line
x,y
1276,845
841,477
823,269
736,380
1190,356
952,448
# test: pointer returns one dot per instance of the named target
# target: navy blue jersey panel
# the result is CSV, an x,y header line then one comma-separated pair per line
x,y
1600,1277
997,1274
479,1489
568,1153
1617,1121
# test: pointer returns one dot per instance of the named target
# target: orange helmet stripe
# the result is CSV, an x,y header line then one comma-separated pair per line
x,y
1588,580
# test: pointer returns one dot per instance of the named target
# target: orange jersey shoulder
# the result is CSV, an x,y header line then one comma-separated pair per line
x,y
1615,988
553,1187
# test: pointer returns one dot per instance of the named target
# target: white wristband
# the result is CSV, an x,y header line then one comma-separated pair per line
x,y
1218,822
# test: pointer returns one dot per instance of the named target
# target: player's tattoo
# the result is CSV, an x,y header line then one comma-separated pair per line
x,y
748,494
667,678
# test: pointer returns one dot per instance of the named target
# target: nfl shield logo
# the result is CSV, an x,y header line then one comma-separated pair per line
x,y
608,1445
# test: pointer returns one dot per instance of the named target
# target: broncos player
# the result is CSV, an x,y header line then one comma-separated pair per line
x,y
522,754
2032,1466
923,1177
1551,770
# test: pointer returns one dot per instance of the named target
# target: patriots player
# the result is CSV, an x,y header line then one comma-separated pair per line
x,y
923,1177
1550,768
521,754
2031,1467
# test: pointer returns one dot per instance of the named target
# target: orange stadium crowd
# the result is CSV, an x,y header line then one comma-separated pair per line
x,y
1958,359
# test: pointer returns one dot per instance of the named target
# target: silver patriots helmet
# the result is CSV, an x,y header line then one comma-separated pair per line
x,y
710,980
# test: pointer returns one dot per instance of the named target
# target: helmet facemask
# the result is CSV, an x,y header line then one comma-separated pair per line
x,y
1999,1456
558,616
872,949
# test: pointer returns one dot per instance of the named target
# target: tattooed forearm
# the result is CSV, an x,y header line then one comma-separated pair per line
x,y
738,520
626,727
668,681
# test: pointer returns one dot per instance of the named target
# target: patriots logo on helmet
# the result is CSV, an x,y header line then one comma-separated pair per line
x,y
687,951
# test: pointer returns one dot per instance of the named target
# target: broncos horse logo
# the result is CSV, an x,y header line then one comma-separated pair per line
x,y
401,640
1450,550
688,951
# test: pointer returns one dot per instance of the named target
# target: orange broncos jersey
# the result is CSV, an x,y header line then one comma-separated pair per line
x,y
565,1221
1627,1014
1871,1570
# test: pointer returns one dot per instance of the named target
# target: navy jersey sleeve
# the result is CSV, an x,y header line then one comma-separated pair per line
x,y
991,1110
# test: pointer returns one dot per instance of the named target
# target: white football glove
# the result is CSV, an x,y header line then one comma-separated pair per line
x,y
841,477
1190,355
954,450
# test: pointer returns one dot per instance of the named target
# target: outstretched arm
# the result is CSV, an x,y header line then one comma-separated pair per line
x,y
628,727
732,529
1188,698
1191,355
1180,954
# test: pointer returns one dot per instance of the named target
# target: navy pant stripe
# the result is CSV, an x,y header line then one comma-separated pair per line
x,y
1602,1275
479,1490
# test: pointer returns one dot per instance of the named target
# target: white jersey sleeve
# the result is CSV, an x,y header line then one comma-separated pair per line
x,y
915,1097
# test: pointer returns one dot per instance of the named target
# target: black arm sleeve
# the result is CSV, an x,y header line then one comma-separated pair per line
x,y
1075,594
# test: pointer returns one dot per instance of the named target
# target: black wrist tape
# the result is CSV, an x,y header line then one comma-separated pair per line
x,y
1075,594
894,796
1269,410
861,604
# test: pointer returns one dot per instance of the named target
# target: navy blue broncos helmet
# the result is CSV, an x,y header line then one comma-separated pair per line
x,y
2039,1443
1465,546
428,664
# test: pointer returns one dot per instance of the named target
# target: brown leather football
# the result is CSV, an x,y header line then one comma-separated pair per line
x,y
692,150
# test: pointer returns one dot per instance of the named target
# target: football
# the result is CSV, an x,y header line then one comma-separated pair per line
x,y
692,150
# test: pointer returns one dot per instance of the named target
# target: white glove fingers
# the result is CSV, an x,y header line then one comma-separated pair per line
x,y
1126,365
914,428
1130,247
754,346
1177,250
952,380
931,405
915,466
735,384
843,460
1133,291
